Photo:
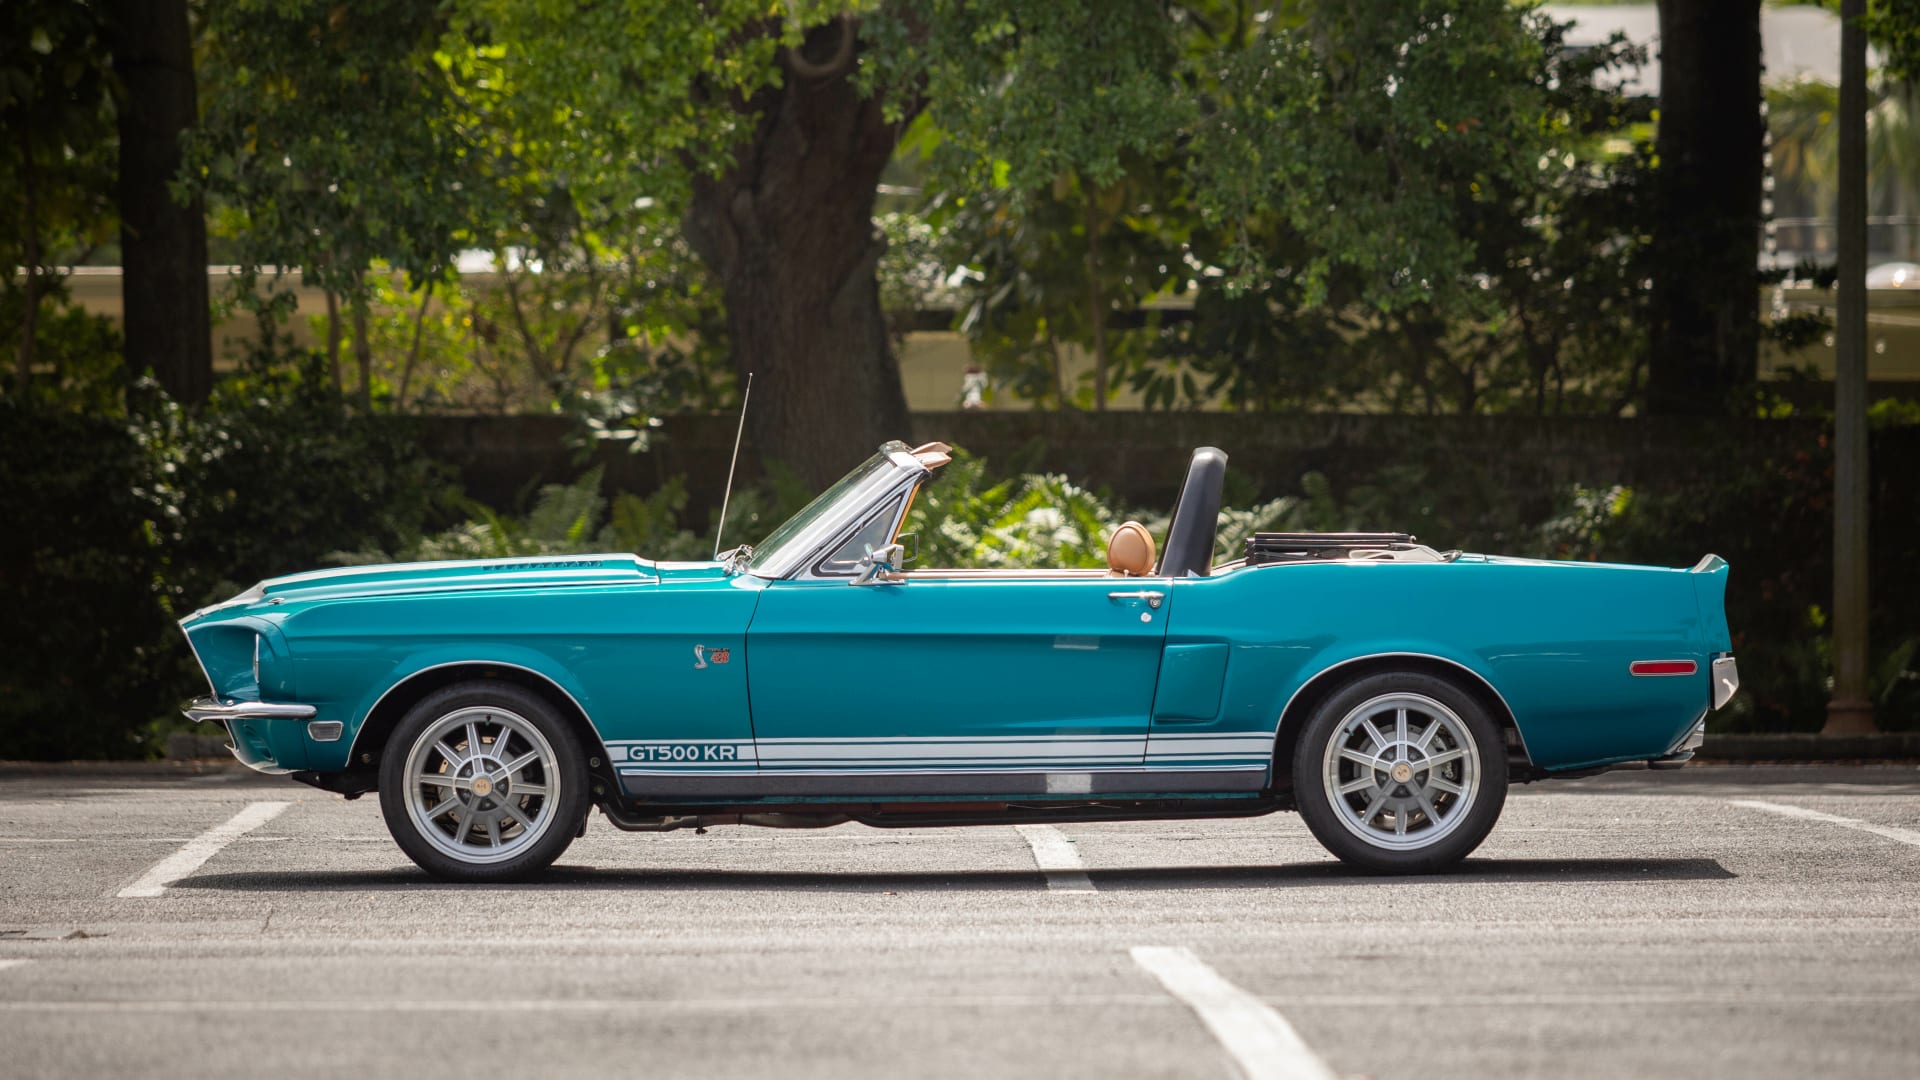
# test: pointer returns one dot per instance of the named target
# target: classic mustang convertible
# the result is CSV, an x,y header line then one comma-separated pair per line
x,y
1388,692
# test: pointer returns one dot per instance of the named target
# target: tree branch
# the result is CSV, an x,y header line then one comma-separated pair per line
x,y
839,64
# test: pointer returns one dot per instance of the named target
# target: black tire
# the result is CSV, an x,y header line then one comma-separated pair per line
x,y
1441,826
483,835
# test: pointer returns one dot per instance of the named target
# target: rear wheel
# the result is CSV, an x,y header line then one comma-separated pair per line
x,y
483,781
1401,772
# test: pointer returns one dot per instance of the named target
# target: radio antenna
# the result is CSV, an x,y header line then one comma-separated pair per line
x,y
720,529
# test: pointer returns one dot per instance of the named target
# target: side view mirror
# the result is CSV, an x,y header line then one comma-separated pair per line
x,y
879,566
910,541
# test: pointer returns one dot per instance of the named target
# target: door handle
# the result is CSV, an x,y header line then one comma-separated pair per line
x,y
1151,596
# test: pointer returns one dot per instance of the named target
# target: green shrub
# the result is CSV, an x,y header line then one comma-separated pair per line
x,y
274,474
88,656
121,525
1770,515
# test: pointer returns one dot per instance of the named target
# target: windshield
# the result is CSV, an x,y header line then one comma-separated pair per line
x,y
807,530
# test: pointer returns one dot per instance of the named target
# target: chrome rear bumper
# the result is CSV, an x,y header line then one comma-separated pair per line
x,y
1726,680
1683,750
212,708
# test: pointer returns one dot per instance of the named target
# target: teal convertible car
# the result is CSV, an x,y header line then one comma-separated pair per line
x,y
1388,692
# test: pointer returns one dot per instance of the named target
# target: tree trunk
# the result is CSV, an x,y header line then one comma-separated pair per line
x,y
362,348
1060,401
163,243
1850,711
1096,308
789,233
333,342
1706,233
29,322
413,354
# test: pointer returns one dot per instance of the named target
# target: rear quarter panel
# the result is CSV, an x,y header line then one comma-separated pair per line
x,y
1553,639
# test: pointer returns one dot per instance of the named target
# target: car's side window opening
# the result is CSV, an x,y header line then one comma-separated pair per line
x,y
872,536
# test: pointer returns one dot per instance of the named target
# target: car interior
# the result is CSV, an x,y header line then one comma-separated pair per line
x,y
1131,550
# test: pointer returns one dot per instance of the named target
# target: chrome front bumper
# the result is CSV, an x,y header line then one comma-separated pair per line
x,y
212,708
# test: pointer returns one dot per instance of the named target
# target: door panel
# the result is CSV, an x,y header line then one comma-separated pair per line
x,y
950,676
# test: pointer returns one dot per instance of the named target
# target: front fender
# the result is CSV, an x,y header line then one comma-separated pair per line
x,y
496,654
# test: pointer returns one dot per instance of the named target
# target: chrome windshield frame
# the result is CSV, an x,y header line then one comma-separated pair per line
x,y
824,535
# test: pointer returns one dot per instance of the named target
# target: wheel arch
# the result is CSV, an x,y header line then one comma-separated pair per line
x,y
1328,680
397,700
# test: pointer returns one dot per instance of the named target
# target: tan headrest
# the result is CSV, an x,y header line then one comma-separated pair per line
x,y
1130,552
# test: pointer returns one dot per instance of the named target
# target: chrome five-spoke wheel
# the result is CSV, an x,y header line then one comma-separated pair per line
x,y
1401,771
483,782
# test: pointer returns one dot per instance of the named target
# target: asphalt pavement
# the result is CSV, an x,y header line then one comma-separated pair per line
x,y
1718,921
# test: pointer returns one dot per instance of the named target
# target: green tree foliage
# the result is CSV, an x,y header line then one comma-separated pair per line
x,y
333,136
1894,26
1055,267
56,175
1366,128
1420,207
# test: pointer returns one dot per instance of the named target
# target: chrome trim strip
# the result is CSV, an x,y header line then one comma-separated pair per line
x,y
824,536
1726,680
1316,677
900,494
1038,783
212,708
361,720
195,650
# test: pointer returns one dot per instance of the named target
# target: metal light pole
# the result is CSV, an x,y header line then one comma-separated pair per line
x,y
1851,710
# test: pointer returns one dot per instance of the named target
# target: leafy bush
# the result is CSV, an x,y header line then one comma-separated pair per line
x,y
275,474
577,519
82,580
1770,517
124,524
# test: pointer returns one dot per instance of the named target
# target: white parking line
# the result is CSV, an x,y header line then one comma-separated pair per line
x,y
201,848
1261,1041
4,964
1054,854
645,1006
1891,832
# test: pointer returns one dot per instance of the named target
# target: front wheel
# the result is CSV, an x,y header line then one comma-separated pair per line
x,y
1400,772
483,782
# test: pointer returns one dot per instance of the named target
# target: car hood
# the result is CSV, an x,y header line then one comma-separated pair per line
x,y
466,575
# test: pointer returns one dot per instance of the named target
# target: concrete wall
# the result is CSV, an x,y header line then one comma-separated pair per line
x,y
933,360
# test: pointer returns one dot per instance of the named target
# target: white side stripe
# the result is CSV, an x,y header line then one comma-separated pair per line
x,y
1261,1041
1891,832
1054,854
945,769
201,848
936,752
